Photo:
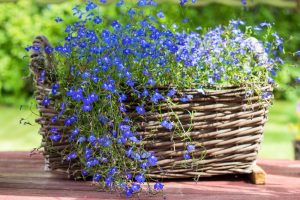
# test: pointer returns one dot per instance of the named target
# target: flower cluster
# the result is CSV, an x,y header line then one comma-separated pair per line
x,y
102,69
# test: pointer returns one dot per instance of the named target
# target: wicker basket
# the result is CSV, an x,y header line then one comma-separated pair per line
x,y
226,129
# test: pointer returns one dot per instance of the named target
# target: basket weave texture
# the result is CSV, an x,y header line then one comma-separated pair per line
x,y
225,127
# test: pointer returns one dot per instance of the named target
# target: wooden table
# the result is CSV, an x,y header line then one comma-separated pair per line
x,y
23,177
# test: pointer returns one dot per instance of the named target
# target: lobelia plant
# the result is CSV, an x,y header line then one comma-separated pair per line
x,y
108,78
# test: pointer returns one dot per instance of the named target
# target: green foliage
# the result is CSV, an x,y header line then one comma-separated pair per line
x,y
23,20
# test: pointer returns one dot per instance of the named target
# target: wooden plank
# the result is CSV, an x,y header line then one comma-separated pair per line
x,y
20,181
258,176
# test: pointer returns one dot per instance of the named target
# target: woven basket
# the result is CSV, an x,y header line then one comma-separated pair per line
x,y
225,126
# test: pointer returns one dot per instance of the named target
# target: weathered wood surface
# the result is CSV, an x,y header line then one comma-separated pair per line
x,y
258,176
23,177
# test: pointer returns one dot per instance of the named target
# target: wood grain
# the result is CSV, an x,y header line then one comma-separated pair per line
x,y
23,178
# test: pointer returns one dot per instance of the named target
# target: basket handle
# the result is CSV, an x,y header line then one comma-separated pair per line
x,y
42,61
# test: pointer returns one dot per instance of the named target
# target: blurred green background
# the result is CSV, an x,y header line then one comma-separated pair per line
x,y
21,20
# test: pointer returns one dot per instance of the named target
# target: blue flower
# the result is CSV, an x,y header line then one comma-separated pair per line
x,y
167,124
156,97
121,140
182,2
55,88
92,138
160,14
113,171
171,92
95,79
75,131
152,160
144,165
42,76
86,75
129,192
210,80
146,155
256,28
126,40
122,97
76,95
127,133
48,49
87,153
151,81
135,187
58,19
270,80
92,162
140,178
90,6
158,186
185,20
81,139
84,173
105,141
145,93
93,96
116,24
140,110
55,137
133,139
103,119
131,12
53,130
266,95
54,119
297,79
109,85
122,108
46,101
186,156
120,2
263,24
70,156
96,177
86,107
129,152
127,51
186,98
244,2
190,148
97,20
108,181
129,175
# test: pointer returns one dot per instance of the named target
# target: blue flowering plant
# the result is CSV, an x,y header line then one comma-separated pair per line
x,y
111,75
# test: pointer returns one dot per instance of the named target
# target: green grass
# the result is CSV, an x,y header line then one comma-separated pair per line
x,y
276,144
15,136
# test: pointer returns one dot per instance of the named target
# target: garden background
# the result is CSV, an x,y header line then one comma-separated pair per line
x,y
21,20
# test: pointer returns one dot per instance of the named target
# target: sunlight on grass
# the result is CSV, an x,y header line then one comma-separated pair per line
x,y
15,136
277,143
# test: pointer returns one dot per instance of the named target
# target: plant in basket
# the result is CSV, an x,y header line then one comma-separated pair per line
x,y
137,101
